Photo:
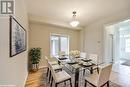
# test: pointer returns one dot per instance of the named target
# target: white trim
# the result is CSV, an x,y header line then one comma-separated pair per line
x,y
26,77
59,35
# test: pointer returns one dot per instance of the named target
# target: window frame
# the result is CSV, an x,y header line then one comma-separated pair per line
x,y
59,35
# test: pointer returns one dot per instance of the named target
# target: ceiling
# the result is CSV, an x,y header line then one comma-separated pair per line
x,y
59,12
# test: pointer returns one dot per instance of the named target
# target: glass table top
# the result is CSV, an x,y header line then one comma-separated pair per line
x,y
74,64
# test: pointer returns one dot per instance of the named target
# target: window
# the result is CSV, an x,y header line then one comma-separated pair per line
x,y
59,43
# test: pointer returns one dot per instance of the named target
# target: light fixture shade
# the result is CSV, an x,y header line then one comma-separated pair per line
x,y
74,23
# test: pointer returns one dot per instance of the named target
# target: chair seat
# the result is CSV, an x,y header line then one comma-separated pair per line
x,y
56,67
62,76
93,78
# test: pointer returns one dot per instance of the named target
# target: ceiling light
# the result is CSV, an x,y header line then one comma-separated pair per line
x,y
74,22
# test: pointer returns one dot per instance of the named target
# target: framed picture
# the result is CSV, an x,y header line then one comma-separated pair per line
x,y
17,37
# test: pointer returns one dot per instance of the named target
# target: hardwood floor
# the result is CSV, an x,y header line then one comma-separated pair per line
x,y
120,76
35,79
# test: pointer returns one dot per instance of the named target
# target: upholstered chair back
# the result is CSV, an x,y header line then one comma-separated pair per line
x,y
46,60
104,74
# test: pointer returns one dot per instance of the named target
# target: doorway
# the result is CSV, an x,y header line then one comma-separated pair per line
x,y
117,42
117,51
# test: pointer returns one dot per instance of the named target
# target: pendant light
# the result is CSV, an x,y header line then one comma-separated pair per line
x,y
74,22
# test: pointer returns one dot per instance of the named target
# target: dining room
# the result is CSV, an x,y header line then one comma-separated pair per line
x,y
62,43
64,57
72,43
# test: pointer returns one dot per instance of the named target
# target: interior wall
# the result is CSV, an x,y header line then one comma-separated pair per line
x,y
82,40
39,35
13,70
94,33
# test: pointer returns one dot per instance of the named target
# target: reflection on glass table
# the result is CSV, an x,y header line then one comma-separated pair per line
x,y
75,65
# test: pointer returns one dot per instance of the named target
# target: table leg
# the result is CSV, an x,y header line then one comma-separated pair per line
x,y
76,78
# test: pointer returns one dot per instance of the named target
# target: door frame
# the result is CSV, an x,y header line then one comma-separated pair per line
x,y
104,33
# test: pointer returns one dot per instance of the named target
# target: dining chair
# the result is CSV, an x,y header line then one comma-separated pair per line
x,y
99,80
59,77
94,58
54,64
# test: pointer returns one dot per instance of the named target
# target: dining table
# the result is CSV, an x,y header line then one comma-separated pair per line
x,y
75,65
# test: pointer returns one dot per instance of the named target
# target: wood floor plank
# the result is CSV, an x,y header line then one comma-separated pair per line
x,y
35,79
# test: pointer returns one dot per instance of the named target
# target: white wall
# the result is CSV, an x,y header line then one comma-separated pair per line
x,y
82,40
14,70
94,33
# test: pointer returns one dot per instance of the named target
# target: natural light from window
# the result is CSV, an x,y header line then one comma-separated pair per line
x,y
127,45
59,43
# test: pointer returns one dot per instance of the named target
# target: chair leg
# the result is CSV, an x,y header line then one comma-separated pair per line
x,y
98,70
47,72
85,83
65,83
91,70
51,82
83,71
70,83
49,76
55,84
107,83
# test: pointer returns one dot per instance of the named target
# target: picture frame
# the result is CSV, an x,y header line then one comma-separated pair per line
x,y
17,37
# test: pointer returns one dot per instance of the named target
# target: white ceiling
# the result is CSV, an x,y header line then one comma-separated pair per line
x,y
60,11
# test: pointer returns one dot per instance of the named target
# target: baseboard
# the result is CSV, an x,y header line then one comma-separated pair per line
x,y
25,79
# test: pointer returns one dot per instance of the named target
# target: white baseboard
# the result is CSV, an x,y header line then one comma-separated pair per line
x,y
25,79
